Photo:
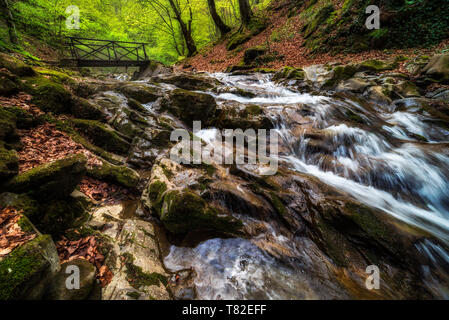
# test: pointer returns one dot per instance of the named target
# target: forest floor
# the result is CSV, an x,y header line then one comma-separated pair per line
x,y
291,48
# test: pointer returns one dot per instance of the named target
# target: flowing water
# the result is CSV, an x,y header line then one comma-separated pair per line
x,y
394,161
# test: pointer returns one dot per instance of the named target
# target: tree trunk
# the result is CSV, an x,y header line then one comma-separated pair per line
x,y
245,12
186,30
224,29
9,21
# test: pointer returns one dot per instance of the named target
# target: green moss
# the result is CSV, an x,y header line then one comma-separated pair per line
x,y
83,109
156,192
340,73
56,76
120,175
102,136
238,39
21,118
186,211
134,295
53,180
137,278
318,20
254,110
9,163
376,66
16,66
48,95
19,267
278,205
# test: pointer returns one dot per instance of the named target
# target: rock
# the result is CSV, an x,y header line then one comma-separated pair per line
x,y
18,117
238,116
378,94
8,84
417,64
50,181
173,195
289,73
26,272
407,89
140,92
154,69
191,106
376,66
49,96
338,74
189,82
442,96
23,202
102,135
9,163
356,85
119,175
438,68
16,66
83,109
8,128
134,256
252,54
58,289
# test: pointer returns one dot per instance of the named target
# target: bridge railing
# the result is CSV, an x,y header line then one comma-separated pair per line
x,y
85,49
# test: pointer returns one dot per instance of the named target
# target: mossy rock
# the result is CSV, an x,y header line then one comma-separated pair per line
x,y
50,181
16,66
139,92
376,65
252,54
438,68
55,75
120,175
8,128
21,202
320,17
137,106
185,211
49,96
190,82
238,39
340,73
289,73
102,135
27,271
8,84
57,216
21,118
191,106
83,109
9,163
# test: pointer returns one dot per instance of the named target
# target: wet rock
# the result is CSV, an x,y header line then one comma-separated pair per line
x,y
154,69
26,272
133,257
189,82
357,85
239,116
191,106
58,289
438,68
173,194
140,92
53,180
289,73
378,94
442,96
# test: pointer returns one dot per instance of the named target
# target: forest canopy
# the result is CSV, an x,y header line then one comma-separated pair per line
x,y
152,21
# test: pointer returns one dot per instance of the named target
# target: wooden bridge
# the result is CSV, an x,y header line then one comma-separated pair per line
x,y
105,53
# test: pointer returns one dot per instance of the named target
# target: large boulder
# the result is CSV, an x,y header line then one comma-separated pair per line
x,y
191,106
15,66
438,68
84,109
140,92
50,181
58,289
